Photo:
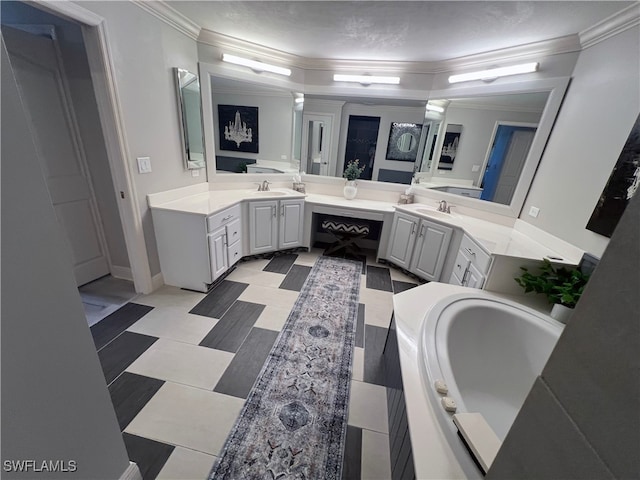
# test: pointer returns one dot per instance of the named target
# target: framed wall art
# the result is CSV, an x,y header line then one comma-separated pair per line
x,y
450,146
621,186
238,128
404,139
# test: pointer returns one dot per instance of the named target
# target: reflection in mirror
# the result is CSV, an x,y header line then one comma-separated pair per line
x,y
487,160
277,117
189,105
362,127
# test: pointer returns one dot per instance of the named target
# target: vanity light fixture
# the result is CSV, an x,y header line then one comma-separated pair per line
x,y
299,100
255,65
493,73
435,108
366,79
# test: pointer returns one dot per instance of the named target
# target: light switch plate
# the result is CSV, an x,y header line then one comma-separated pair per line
x,y
475,168
144,164
195,173
534,211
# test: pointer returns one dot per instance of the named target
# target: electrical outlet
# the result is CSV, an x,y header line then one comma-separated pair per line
x,y
195,172
283,157
534,211
475,168
144,164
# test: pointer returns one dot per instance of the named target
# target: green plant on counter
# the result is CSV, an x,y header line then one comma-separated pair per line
x,y
352,172
242,167
560,284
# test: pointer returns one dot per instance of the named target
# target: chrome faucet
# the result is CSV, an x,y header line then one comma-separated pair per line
x,y
264,187
443,207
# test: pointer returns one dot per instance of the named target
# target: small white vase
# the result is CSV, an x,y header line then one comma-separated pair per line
x,y
350,190
561,313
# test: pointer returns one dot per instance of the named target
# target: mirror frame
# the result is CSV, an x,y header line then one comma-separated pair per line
x,y
189,164
556,87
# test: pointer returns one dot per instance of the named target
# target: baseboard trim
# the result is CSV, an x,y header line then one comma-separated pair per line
x,y
123,273
157,281
131,473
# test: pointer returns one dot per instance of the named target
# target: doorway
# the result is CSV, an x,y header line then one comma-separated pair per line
x,y
362,138
509,150
50,63
317,142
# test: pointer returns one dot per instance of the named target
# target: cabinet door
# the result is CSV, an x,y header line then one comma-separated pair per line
x,y
263,221
430,250
474,278
218,252
291,221
403,236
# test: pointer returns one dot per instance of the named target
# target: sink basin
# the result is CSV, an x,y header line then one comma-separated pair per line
x,y
435,213
270,193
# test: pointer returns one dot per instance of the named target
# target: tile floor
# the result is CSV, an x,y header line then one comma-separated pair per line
x,y
179,364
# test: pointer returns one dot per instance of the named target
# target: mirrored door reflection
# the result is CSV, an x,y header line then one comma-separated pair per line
x,y
362,138
316,139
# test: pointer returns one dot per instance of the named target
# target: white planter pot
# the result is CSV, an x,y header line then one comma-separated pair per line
x,y
350,190
561,313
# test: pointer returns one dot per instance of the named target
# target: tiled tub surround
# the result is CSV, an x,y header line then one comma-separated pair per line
x,y
442,454
179,364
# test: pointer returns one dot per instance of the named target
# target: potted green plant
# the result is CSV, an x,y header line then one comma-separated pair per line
x,y
352,173
562,286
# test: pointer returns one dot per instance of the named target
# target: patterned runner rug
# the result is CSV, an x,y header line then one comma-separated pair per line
x,y
294,421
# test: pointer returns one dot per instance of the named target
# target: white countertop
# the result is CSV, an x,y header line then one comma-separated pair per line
x,y
210,202
496,239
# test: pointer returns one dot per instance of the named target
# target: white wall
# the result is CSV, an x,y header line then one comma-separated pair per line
x,y
55,403
477,132
600,107
144,51
387,114
275,124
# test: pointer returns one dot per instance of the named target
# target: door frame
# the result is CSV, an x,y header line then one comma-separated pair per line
x,y
327,138
96,38
498,124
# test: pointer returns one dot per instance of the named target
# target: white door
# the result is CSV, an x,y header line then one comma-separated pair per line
x,y
36,64
403,236
432,245
513,163
263,221
291,220
316,143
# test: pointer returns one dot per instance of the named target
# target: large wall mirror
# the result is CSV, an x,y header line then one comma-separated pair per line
x,y
251,126
190,116
500,133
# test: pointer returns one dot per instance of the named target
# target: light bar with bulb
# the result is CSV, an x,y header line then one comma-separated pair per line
x,y
366,79
255,65
494,73
435,108
299,100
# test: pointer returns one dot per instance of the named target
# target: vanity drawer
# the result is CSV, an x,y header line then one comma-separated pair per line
x,y
234,231
235,253
219,219
461,264
475,254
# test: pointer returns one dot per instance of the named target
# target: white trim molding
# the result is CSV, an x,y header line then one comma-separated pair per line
x,y
170,16
613,25
131,473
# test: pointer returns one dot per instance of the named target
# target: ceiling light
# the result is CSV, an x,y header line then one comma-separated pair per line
x,y
435,108
254,65
366,79
494,73
299,100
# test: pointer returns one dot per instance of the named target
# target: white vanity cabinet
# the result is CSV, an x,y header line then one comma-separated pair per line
x,y
275,225
419,245
195,250
471,265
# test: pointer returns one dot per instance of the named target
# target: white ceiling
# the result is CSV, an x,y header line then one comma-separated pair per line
x,y
397,30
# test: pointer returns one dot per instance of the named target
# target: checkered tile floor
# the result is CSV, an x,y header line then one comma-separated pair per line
x,y
179,364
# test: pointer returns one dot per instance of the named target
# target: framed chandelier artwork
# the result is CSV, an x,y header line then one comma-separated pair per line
x,y
238,128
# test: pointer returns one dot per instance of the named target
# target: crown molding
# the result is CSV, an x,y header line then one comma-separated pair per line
x,y
613,25
171,17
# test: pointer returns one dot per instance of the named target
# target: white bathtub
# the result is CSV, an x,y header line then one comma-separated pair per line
x,y
487,349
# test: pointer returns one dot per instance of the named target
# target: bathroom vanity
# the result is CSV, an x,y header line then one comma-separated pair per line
x,y
201,233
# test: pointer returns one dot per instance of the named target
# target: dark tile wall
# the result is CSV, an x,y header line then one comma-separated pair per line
x,y
582,416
